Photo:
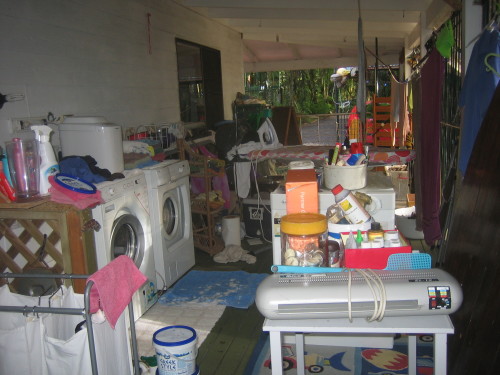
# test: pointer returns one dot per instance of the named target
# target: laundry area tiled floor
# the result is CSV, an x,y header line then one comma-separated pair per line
x,y
200,317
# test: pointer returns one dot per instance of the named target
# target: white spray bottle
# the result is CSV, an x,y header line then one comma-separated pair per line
x,y
48,163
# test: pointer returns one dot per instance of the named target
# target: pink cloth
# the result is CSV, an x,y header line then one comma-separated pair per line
x,y
60,194
114,285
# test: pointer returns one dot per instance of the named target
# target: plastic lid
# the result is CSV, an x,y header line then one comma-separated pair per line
x,y
375,226
75,184
84,120
337,189
303,224
174,336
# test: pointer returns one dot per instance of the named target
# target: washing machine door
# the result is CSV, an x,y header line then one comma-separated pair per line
x,y
171,217
127,238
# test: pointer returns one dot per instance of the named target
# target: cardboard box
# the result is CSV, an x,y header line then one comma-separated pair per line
x,y
301,189
374,258
410,200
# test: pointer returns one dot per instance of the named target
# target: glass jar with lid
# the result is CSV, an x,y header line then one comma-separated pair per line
x,y
304,240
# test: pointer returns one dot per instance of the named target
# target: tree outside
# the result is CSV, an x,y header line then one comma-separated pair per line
x,y
312,91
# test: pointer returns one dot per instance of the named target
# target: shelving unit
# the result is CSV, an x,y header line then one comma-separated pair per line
x,y
383,134
204,211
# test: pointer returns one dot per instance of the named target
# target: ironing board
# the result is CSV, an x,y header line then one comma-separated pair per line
x,y
376,156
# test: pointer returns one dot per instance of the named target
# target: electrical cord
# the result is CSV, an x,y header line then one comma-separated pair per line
x,y
377,288
253,164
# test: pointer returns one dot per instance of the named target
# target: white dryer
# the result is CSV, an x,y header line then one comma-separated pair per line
x,y
126,230
172,231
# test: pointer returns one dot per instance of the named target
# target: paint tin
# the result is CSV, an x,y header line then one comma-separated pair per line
x,y
176,350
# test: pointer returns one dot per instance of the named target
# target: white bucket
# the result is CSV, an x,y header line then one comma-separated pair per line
x,y
176,350
350,177
197,372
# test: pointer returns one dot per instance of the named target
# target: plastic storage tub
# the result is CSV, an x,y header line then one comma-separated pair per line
x,y
94,136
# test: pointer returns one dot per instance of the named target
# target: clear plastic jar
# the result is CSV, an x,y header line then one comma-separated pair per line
x,y
304,240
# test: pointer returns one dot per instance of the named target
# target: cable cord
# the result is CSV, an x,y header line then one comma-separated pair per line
x,y
377,288
253,164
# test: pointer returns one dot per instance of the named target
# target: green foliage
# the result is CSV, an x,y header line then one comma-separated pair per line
x,y
311,91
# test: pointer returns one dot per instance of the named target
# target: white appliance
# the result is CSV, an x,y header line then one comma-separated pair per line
x,y
94,136
379,187
325,296
126,230
172,233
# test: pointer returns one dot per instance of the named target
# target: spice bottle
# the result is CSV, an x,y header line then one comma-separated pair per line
x,y
353,210
375,231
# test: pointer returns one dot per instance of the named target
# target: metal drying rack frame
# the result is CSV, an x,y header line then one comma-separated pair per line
x,y
74,311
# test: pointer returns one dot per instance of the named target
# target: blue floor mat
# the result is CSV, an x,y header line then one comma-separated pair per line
x,y
230,288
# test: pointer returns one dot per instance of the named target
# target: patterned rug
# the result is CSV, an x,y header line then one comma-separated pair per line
x,y
329,360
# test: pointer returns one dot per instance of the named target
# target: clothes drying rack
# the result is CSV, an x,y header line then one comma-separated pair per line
x,y
74,311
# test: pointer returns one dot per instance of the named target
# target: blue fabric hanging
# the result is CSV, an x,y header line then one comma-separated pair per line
x,y
477,91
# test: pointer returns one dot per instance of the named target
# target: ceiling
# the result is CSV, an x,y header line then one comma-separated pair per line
x,y
302,34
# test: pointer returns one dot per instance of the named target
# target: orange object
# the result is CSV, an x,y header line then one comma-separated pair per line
x,y
301,191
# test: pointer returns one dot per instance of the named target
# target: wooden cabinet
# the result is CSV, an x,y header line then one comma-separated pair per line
x,y
206,207
68,248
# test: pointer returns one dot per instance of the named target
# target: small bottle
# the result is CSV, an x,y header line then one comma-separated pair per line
x,y
375,231
366,244
359,239
353,210
351,242
377,242
347,142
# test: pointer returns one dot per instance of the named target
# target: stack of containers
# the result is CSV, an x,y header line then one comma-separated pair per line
x,y
371,248
303,229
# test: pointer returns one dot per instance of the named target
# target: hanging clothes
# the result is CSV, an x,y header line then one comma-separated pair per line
x,y
432,77
400,123
416,119
477,91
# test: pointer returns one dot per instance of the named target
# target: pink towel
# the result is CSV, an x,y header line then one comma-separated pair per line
x,y
60,194
114,285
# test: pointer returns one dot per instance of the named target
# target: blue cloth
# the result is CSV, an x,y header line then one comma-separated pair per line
x,y
477,92
229,288
76,166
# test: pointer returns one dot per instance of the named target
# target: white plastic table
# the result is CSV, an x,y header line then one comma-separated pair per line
x,y
439,325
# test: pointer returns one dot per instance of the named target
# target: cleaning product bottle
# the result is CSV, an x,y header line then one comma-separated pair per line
x,y
353,210
48,163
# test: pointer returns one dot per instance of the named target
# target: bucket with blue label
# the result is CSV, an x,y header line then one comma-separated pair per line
x,y
176,350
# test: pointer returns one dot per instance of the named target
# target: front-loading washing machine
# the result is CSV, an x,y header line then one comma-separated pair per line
x,y
126,230
170,203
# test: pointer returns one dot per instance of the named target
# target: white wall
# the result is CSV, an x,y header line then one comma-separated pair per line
x,y
91,57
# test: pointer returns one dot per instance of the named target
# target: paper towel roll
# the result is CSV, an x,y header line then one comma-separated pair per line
x,y
231,230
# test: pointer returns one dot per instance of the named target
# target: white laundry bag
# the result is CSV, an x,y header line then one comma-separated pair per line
x,y
46,344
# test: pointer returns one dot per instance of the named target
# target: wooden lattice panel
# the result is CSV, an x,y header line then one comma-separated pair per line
x,y
68,248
